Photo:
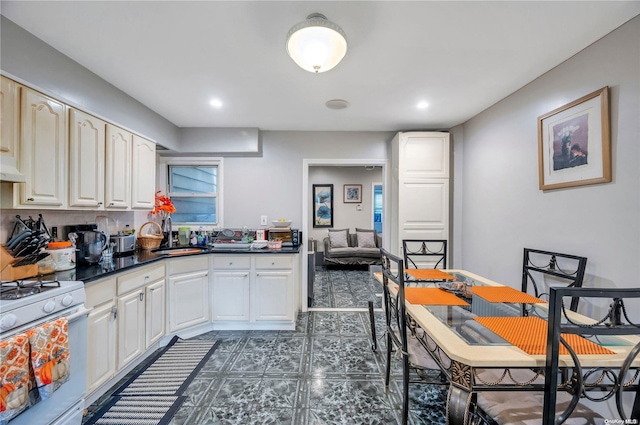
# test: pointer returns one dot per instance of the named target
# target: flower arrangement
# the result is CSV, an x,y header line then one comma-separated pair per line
x,y
163,205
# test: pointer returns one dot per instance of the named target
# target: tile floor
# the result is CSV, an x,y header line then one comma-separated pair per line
x,y
323,372
340,288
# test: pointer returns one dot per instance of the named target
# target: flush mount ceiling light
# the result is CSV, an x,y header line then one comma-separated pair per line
x,y
316,44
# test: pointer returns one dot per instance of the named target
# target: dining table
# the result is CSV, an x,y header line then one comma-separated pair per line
x,y
487,336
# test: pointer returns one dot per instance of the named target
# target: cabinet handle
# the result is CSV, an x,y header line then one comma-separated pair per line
x,y
230,263
114,311
99,203
30,199
273,264
111,204
141,295
146,277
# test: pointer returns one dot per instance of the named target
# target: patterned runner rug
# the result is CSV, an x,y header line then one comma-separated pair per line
x,y
154,394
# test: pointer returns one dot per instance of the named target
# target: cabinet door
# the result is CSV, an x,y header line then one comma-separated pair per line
x,y
131,327
273,295
426,215
423,155
86,160
118,168
231,295
9,113
154,311
101,345
188,300
43,151
143,173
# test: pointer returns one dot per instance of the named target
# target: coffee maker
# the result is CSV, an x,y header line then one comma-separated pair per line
x,y
89,242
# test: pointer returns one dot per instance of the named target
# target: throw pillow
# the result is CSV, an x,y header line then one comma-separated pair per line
x,y
373,232
338,239
366,240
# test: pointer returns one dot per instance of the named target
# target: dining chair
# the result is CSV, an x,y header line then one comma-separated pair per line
x,y
560,402
425,253
414,355
564,269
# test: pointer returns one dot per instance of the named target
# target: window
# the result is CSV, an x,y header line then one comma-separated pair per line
x,y
194,188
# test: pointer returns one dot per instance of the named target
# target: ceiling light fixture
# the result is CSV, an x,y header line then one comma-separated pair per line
x,y
316,44
422,105
216,103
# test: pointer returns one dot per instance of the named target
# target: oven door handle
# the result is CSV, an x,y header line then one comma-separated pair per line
x,y
82,312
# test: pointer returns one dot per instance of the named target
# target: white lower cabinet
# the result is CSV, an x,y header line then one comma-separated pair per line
x,y
188,292
101,333
137,327
273,295
254,289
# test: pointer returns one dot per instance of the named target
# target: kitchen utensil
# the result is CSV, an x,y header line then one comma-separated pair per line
x,y
90,244
14,241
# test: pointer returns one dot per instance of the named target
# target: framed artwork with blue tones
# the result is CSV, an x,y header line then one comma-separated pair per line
x,y
574,147
322,205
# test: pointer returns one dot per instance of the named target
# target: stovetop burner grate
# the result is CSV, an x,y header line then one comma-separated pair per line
x,y
15,289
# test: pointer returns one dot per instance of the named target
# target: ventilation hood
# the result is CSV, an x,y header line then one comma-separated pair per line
x,y
9,172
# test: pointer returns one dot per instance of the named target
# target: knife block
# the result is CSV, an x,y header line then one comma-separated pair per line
x,y
8,272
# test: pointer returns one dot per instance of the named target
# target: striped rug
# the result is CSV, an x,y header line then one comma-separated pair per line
x,y
154,394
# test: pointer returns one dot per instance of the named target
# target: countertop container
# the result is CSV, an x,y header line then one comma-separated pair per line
x,y
63,254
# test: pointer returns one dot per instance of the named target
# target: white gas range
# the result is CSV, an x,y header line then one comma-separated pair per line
x,y
25,305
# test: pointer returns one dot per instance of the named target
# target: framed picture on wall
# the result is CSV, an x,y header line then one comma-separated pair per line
x,y
574,147
322,205
353,193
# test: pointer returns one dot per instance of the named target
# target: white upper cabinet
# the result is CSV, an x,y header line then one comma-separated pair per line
x,y
43,152
118,168
143,174
420,190
9,114
86,160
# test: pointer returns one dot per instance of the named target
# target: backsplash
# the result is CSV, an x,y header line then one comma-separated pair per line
x,y
55,218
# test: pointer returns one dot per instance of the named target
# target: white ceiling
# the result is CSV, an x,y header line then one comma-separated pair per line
x,y
460,57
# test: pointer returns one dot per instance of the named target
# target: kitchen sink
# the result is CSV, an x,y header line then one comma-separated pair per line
x,y
178,251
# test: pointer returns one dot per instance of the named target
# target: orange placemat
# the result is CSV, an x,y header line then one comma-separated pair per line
x,y
530,335
431,296
504,294
429,274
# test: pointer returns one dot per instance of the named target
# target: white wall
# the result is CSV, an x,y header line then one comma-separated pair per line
x,y
502,210
345,215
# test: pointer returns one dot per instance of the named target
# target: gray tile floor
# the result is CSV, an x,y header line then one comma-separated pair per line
x,y
323,372
340,288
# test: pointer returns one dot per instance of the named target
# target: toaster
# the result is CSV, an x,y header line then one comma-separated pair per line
x,y
124,244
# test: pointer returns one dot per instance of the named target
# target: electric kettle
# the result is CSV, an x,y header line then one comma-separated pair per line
x,y
89,245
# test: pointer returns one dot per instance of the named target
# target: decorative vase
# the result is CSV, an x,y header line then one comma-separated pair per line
x,y
166,229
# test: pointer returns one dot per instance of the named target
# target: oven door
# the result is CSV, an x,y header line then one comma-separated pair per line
x,y
72,391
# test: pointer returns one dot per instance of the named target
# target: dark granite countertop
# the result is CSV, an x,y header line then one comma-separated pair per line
x,y
142,258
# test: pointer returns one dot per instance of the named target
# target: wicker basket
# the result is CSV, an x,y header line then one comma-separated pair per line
x,y
149,242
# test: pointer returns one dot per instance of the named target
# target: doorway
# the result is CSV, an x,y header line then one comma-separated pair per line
x,y
357,278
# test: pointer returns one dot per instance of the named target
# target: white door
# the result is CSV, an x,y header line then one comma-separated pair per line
x,y
188,300
43,151
273,295
101,345
143,173
131,327
231,295
154,311
86,160
117,168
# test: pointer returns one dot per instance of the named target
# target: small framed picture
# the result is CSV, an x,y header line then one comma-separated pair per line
x,y
353,193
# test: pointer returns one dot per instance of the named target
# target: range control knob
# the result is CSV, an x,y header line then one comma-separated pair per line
x,y
49,306
8,321
67,300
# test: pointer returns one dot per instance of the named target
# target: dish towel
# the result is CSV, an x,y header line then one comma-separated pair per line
x,y
50,355
14,376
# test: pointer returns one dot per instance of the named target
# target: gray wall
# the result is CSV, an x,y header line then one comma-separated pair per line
x,y
501,209
271,185
32,61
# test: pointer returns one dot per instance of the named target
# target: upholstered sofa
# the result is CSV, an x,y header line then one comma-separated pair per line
x,y
362,247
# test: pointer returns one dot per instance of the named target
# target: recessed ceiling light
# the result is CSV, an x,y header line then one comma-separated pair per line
x,y
422,105
337,104
216,103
